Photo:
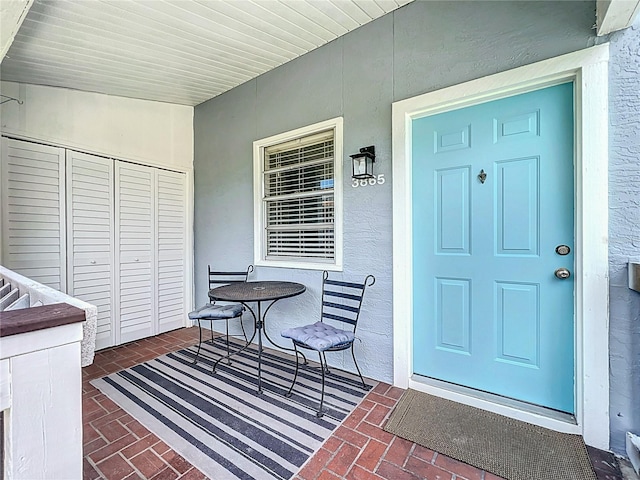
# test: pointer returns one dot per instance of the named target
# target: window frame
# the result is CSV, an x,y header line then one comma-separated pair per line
x,y
259,210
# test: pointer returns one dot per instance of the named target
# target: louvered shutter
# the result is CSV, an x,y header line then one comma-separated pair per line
x,y
90,224
135,252
33,213
299,199
171,223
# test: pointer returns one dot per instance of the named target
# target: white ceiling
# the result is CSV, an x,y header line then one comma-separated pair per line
x,y
176,51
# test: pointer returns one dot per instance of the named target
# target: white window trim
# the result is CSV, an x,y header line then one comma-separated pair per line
x,y
258,195
588,69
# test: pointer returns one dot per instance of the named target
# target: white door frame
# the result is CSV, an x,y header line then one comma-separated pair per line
x,y
588,69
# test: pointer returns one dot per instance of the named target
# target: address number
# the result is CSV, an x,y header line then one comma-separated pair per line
x,y
378,180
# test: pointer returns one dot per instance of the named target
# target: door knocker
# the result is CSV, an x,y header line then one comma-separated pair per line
x,y
482,176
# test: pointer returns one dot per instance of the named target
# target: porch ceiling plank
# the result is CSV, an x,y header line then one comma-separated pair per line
x,y
317,15
208,48
173,51
117,75
149,22
191,14
613,15
371,8
49,54
171,94
284,11
254,15
268,33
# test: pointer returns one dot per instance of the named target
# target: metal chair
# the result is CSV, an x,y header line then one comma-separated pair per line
x,y
341,302
212,311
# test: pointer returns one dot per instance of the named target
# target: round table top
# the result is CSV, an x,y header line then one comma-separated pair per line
x,y
256,291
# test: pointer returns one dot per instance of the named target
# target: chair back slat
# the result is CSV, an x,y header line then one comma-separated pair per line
x,y
339,318
342,301
343,295
344,284
218,278
341,306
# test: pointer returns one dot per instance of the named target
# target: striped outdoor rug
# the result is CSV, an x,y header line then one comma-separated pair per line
x,y
220,424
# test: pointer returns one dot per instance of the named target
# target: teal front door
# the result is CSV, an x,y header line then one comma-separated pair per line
x,y
493,245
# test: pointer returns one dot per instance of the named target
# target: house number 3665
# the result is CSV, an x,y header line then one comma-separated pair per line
x,y
378,180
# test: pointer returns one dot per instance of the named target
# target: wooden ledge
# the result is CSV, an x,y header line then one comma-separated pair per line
x,y
31,319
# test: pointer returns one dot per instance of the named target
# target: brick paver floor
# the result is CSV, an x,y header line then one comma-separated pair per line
x,y
116,446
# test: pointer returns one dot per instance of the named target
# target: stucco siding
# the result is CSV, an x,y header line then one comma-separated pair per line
x,y
437,44
624,232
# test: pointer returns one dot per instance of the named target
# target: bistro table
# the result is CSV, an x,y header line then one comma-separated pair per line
x,y
258,292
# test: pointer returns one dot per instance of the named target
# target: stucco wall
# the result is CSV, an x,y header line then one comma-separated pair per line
x,y
419,48
624,232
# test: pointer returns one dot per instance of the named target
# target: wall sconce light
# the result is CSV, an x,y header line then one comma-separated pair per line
x,y
363,162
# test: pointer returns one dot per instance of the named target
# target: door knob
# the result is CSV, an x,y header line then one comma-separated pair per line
x,y
562,273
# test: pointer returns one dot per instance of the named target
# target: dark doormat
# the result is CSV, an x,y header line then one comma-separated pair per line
x,y
509,448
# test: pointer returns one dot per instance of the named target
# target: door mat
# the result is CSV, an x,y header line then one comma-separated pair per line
x,y
510,448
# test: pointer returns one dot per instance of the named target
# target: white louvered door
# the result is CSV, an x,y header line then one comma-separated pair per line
x,y
136,311
90,253
109,232
171,237
33,213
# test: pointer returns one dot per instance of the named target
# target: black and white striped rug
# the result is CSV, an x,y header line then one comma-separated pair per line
x,y
220,424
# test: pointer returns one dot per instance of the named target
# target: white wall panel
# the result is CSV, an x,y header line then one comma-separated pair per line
x,y
152,133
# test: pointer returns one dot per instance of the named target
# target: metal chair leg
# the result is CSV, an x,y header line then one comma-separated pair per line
x,y
195,360
320,413
353,354
295,375
211,330
228,349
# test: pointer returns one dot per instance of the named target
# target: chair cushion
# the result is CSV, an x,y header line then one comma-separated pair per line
x,y
216,312
319,336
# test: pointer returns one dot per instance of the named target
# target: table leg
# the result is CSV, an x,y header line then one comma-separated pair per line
x,y
259,329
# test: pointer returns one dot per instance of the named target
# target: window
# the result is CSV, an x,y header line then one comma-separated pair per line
x,y
298,197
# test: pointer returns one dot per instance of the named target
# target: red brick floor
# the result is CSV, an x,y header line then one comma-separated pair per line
x,y
117,447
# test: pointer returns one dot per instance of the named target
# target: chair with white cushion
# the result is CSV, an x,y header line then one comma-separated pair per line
x,y
215,311
341,303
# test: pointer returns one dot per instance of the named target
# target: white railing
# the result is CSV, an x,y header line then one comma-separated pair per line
x,y
45,338
39,294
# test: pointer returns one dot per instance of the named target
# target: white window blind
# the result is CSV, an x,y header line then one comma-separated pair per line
x,y
299,207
